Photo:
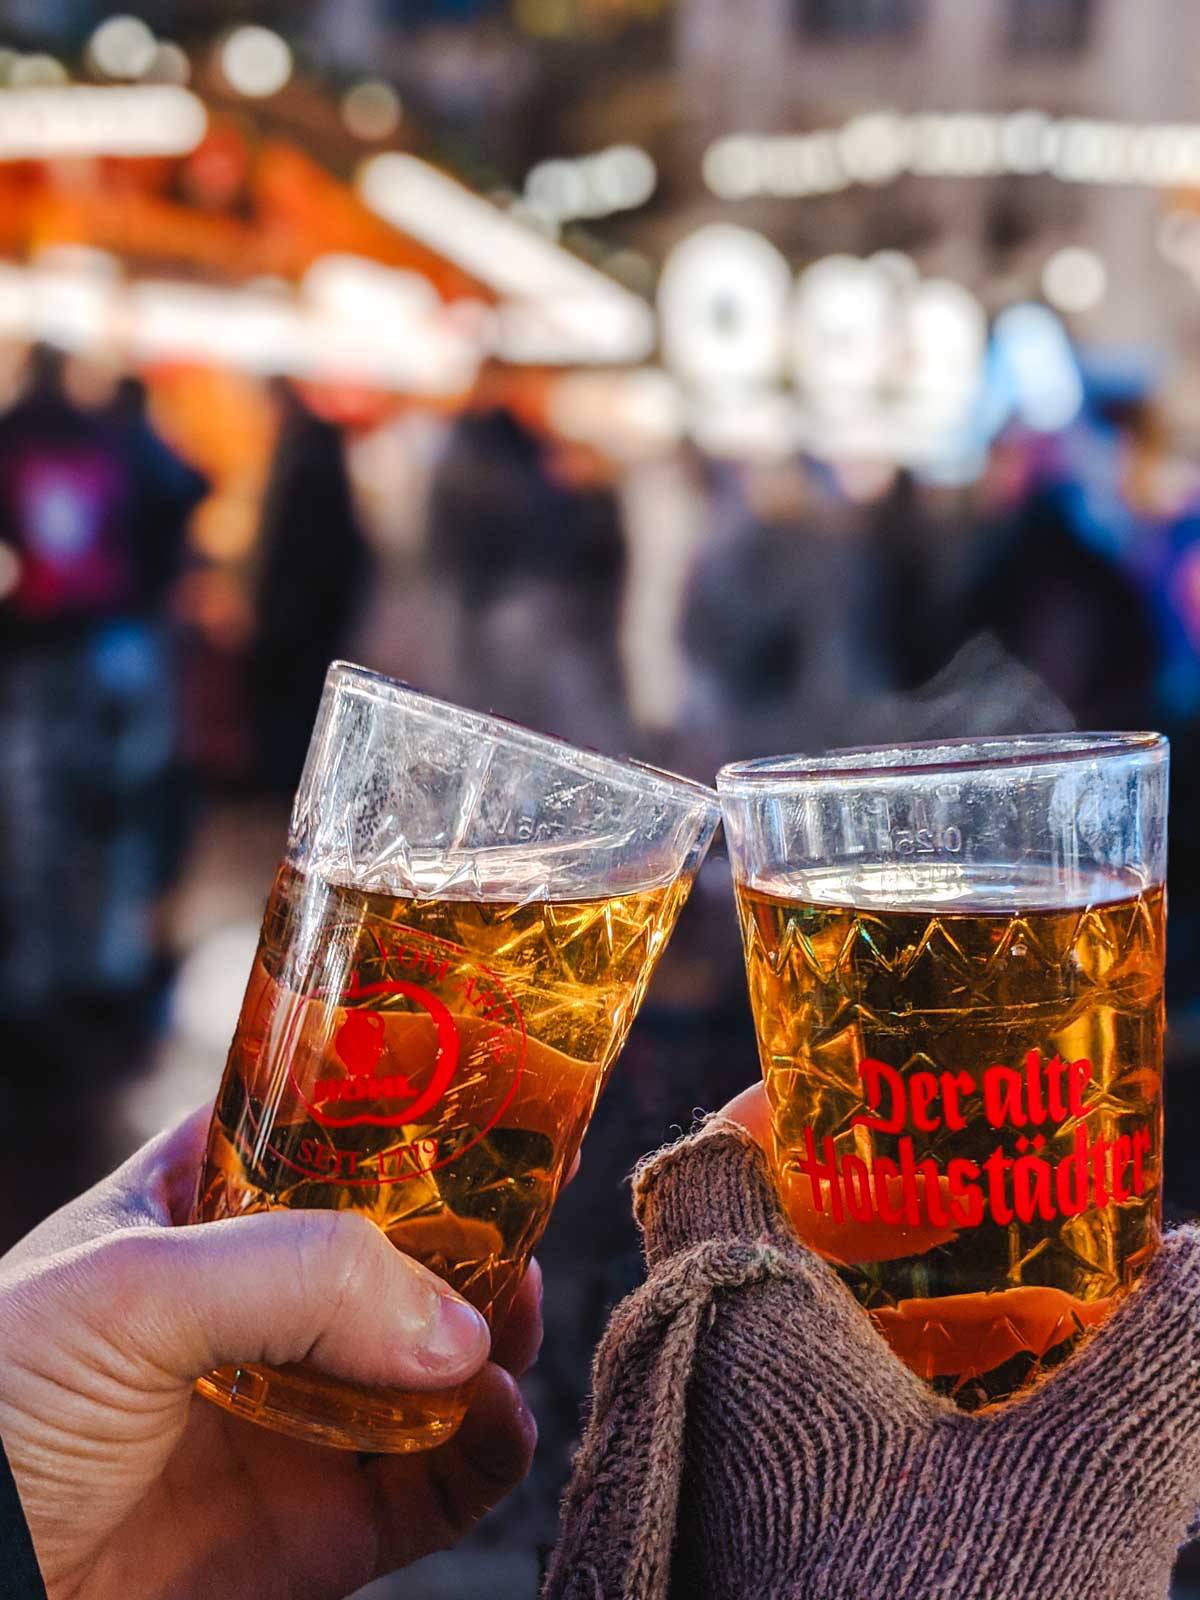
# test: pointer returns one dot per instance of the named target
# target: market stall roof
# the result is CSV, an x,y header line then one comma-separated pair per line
x,y
150,175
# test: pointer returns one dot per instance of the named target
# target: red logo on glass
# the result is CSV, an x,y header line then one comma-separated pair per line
x,y
422,1039
372,1092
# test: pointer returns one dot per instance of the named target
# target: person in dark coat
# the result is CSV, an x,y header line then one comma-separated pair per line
x,y
314,568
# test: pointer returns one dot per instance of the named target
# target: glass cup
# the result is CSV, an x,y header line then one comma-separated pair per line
x,y
955,959
455,946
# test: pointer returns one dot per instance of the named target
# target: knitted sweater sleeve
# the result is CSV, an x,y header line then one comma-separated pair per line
x,y
752,1437
713,1187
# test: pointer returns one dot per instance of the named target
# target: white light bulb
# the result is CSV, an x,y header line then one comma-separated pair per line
x,y
371,110
1074,279
255,61
123,47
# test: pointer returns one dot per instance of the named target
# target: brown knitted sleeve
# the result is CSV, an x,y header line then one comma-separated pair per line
x,y
712,1227
752,1437
708,1187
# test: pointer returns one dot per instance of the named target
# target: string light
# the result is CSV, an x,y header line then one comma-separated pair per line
x,y
620,178
879,146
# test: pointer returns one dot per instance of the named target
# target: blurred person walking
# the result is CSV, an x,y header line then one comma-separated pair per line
x,y
1066,610
529,559
919,539
534,568
314,568
776,623
167,491
92,515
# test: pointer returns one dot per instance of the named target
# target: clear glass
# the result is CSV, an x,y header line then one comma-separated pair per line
x,y
453,951
955,957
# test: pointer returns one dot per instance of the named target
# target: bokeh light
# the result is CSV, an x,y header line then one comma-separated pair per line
x,y
122,47
170,64
256,62
1074,279
37,71
371,109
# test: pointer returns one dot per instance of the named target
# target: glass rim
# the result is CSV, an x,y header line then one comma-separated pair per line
x,y
625,770
936,757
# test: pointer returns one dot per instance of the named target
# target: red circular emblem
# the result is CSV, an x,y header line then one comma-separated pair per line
x,y
422,1039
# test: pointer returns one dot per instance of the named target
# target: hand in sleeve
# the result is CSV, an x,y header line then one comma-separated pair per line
x,y
753,1437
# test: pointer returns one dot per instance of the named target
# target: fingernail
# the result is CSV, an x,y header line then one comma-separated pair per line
x,y
457,1336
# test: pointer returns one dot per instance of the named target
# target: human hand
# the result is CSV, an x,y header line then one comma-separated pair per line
x,y
752,1435
135,1491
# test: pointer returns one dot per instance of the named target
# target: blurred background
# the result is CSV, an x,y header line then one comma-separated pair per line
x,y
692,379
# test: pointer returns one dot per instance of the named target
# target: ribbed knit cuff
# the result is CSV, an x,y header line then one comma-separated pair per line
x,y
709,1186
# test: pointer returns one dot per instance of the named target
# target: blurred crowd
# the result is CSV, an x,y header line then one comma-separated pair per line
x,y
671,606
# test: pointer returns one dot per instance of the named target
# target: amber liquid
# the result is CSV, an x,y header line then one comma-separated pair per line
x,y
976,1294
433,1064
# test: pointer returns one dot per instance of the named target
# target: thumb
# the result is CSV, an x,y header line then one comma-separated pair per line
x,y
283,1286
